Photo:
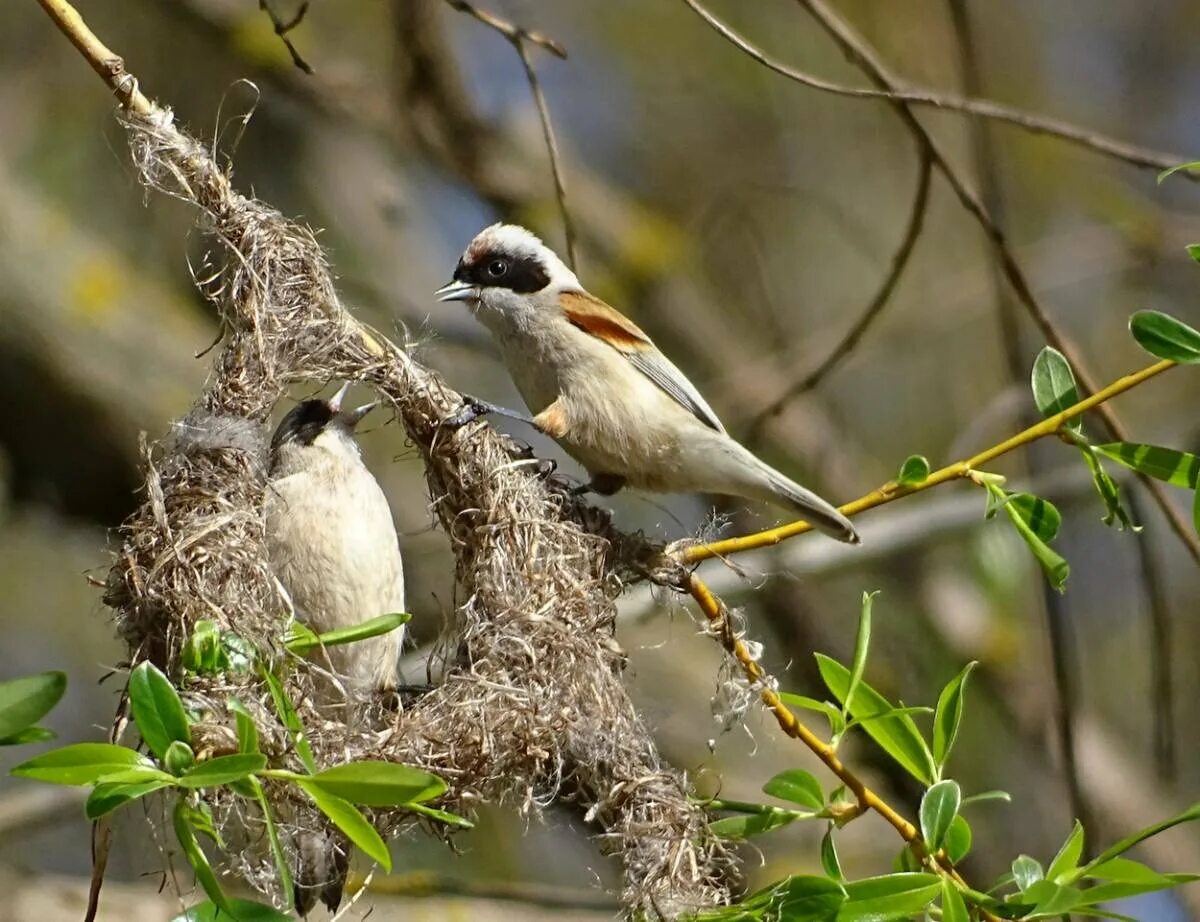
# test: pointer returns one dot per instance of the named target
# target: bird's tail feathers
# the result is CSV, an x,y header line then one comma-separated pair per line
x,y
814,510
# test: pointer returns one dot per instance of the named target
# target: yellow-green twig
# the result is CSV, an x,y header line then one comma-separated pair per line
x,y
892,490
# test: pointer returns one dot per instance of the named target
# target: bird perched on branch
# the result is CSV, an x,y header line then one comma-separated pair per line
x,y
598,385
333,547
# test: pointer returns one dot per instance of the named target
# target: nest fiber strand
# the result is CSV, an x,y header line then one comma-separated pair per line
x,y
532,709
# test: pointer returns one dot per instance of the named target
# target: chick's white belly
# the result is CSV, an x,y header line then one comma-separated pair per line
x,y
333,547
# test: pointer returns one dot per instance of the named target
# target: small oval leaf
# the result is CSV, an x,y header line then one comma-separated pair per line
x,y
1165,337
939,807
80,763
1053,384
222,770
1026,872
380,784
798,787
157,710
349,819
913,471
893,896
1178,468
26,700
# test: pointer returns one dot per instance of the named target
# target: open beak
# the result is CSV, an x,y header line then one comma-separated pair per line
x,y
335,402
354,417
456,291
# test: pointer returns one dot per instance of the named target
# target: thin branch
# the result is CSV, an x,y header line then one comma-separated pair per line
x,y
556,170
1054,608
892,490
105,62
874,308
1033,122
283,27
520,38
511,32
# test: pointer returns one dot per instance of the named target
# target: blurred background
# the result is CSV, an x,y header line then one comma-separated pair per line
x,y
745,222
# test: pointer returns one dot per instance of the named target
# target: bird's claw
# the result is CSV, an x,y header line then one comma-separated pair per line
x,y
471,410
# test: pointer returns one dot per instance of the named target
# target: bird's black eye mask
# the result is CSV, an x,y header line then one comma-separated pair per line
x,y
522,274
303,423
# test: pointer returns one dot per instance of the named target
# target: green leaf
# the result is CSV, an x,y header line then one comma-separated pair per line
x,y
862,643
80,763
1050,899
1026,872
247,729
752,824
984,796
948,716
1039,514
1165,337
282,866
939,806
798,787
1054,387
236,910
1178,468
807,898
1126,870
202,652
302,640
837,723
898,736
1187,167
1056,569
1068,856
222,770
289,718
138,774
1109,490
105,798
205,875
1191,814
442,816
830,863
157,710
913,471
958,839
954,908
892,896
380,784
28,735
25,701
890,712
349,820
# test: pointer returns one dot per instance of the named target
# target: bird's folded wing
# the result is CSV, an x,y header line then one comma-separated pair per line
x,y
609,325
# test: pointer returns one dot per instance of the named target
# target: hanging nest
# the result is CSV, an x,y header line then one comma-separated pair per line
x,y
531,709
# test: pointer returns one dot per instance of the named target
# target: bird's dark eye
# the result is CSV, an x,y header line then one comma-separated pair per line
x,y
497,268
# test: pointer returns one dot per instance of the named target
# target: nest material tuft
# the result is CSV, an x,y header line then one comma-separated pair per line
x,y
532,709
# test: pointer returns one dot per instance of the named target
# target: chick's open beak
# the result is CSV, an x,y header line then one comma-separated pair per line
x,y
456,291
354,417
335,402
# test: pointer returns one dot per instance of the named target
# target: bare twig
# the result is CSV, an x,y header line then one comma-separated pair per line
x,y
1036,123
878,302
511,32
1058,626
283,27
520,38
